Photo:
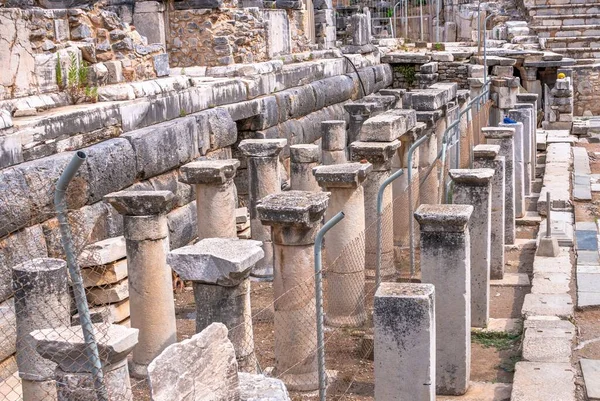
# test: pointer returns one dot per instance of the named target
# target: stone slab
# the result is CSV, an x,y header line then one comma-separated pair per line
x,y
587,299
502,325
586,225
559,264
548,344
482,391
103,252
591,376
560,305
588,258
588,282
104,275
551,283
535,381
109,294
259,387
587,240
512,280
561,230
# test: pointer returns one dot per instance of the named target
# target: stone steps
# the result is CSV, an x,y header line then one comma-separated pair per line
x,y
565,20
567,30
570,42
558,9
550,3
579,52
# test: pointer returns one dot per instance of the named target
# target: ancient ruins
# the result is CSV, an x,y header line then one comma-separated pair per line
x,y
276,200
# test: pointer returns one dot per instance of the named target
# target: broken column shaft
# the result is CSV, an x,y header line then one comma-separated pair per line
x,y
150,281
345,247
445,263
333,142
295,218
264,178
303,158
359,113
474,187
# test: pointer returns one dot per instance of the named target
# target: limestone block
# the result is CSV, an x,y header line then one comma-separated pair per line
x,y
8,323
16,208
387,126
279,37
332,90
103,252
205,361
110,273
182,223
153,157
429,99
115,71
540,381
221,261
111,313
115,93
109,294
161,64
296,102
219,125
261,388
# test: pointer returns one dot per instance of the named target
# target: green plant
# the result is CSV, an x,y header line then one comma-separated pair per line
x,y
438,47
182,71
76,83
499,340
408,73
182,113
509,364
59,76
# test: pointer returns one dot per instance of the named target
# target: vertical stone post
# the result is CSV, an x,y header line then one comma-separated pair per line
x,y
295,218
41,302
486,156
333,142
74,381
263,179
303,158
379,154
519,168
445,263
215,196
504,138
219,269
474,187
150,282
405,360
345,247
359,113
523,115
504,95
529,103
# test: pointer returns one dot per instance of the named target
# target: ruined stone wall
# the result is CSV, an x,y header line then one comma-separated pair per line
x,y
586,88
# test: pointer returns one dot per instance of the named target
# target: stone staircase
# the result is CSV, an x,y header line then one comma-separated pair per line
x,y
567,27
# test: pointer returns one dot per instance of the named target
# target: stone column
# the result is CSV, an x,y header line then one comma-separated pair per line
x,y
405,359
215,196
333,142
445,263
295,217
345,247
523,115
504,95
42,301
219,269
359,113
529,103
519,168
504,138
303,158
151,302
74,381
474,187
486,156
264,178
379,154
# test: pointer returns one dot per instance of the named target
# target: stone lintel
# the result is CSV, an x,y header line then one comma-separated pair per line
x,y
527,97
299,208
486,151
305,153
498,132
360,109
377,153
447,218
346,175
221,261
262,147
209,171
405,290
429,99
65,346
141,203
472,177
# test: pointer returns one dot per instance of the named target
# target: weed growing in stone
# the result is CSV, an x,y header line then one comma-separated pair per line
x,y
498,340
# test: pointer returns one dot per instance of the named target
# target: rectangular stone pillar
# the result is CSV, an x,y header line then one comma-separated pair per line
x,y
405,358
533,138
474,187
519,168
523,115
446,263
503,136
148,18
486,156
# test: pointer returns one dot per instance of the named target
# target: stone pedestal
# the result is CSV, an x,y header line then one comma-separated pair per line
x,y
523,115
74,381
219,269
264,178
41,301
486,156
504,95
379,154
405,360
215,196
530,107
333,142
359,113
474,187
303,158
295,218
504,137
445,263
345,245
519,168
151,302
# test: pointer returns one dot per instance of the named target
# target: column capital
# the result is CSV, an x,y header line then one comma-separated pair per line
x,y
141,203
486,151
346,175
209,171
386,127
222,261
476,177
293,208
305,153
262,147
443,218
377,153
498,132
360,109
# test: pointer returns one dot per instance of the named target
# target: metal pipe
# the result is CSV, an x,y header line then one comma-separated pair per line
x,y
319,302
394,16
437,21
406,20
60,204
382,188
411,225
421,7
479,28
485,67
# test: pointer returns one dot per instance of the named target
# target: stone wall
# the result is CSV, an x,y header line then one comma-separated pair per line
x,y
586,80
